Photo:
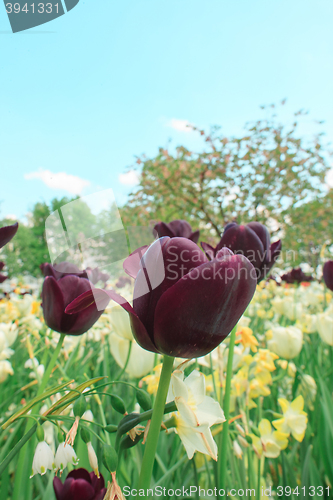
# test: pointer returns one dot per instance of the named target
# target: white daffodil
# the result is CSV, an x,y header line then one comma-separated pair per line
x,y
5,370
92,458
140,361
10,330
286,342
325,326
196,438
197,412
65,455
43,459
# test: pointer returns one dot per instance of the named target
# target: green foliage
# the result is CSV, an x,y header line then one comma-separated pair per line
x,y
269,175
28,249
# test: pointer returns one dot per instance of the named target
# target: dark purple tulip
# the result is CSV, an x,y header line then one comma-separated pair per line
x,y
183,304
7,233
176,228
2,276
296,275
57,294
328,274
67,268
251,240
80,485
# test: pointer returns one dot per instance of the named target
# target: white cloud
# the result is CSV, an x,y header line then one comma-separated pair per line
x,y
181,125
131,178
60,180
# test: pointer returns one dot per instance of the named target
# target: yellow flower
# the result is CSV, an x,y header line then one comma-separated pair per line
x,y
258,385
270,442
265,360
247,339
152,380
294,420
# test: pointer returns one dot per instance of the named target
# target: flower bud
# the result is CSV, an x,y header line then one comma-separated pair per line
x,y
80,406
40,433
85,435
118,404
110,458
144,400
111,428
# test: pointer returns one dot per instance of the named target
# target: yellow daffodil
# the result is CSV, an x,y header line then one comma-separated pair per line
x,y
247,339
270,443
152,380
265,360
294,420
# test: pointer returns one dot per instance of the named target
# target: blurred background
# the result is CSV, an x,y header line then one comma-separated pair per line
x,y
184,109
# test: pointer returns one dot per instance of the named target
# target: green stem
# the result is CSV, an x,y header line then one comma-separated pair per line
x,y
155,425
224,443
20,475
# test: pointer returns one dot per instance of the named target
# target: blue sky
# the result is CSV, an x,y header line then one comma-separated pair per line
x,y
85,93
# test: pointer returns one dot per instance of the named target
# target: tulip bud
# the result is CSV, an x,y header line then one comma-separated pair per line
x,y
80,406
118,404
110,458
144,400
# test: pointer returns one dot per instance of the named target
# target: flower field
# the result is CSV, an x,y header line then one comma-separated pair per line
x,y
251,417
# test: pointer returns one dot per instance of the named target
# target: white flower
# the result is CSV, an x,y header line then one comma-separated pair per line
x,y
10,330
140,362
5,370
120,322
237,449
43,459
325,326
288,307
92,458
286,342
65,455
197,412
88,415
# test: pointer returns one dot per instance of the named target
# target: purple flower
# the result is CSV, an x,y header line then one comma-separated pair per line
x,y
251,240
184,305
328,274
57,294
67,268
296,275
175,228
7,233
80,485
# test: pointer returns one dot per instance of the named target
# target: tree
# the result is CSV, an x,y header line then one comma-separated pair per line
x,y
28,249
265,175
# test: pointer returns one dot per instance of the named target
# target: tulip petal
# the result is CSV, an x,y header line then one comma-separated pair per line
x,y
243,240
7,233
166,261
328,274
131,264
58,488
194,236
262,233
52,303
101,298
209,250
200,310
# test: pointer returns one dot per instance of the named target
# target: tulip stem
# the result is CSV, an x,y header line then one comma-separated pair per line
x,y
224,442
155,425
